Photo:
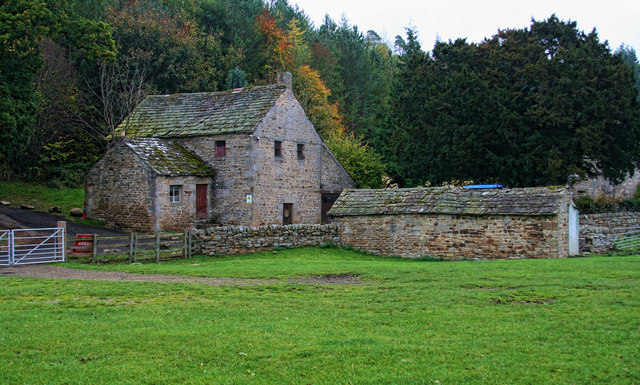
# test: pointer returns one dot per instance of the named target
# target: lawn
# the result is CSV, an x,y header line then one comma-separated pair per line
x,y
556,321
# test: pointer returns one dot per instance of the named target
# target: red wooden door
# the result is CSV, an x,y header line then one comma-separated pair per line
x,y
201,201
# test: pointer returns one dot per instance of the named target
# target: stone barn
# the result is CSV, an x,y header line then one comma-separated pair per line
x,y
266,163
459,223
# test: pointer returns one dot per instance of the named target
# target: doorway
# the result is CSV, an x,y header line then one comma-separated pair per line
x,y
287,213
201,201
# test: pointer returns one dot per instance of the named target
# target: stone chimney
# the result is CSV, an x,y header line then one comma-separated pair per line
x,y
284,78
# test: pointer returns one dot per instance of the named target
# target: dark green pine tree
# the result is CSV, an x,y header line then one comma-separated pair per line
x,y
526,107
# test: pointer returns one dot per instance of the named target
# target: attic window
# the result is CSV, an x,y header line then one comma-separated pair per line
x,y
300,151
221,148
277,148
174,193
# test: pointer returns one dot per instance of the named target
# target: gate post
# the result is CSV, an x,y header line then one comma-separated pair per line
x,y
63,225
95,248
11,246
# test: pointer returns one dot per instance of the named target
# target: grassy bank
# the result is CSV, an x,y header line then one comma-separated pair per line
x,y
409,322
41,197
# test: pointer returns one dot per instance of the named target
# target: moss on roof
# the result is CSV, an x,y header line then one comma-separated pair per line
x,y
168,158
446,200
203,113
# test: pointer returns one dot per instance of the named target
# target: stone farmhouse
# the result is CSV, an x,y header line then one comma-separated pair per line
x,y
456,223
247,157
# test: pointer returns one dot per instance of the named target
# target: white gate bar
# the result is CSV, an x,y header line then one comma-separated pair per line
x,y
41,252
5,249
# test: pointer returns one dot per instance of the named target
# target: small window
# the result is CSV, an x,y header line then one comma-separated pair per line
x,y
277,147
300,151
174,193
221,148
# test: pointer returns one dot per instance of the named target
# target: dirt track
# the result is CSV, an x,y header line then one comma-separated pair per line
x,y
59,272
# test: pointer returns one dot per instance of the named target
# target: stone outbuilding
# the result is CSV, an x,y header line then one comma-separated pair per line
x,y
459,223
265,162
143,184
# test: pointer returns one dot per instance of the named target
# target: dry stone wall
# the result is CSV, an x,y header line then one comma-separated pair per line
x,y
229,240
596,230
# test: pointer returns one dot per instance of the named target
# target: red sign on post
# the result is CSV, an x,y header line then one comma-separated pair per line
x,y
83,247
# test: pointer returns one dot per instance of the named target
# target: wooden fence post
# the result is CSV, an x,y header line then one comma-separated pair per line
x,y
190,251
94,255
185,241
135,247
131,248
158,247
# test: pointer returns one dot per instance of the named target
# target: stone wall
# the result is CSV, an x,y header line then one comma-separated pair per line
x,y
234,175
183,212
229,240
456,237
119,191
596,230
287,179
334,177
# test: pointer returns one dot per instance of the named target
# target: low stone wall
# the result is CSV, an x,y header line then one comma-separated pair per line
x,y
229,240
596,230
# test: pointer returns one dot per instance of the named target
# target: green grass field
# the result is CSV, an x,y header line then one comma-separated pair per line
x,y
411,322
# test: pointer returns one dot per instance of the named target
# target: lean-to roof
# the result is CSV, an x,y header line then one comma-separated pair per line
x,y
168,158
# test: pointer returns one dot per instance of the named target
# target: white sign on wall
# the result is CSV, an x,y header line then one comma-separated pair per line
x,y
249,198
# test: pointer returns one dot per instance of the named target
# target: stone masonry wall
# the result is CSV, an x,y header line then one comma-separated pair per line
x,y
182,213
455,237
334,177
229,240
119,190
596,230
234,175
287,179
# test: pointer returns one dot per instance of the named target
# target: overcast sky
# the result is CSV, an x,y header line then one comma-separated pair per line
x,y
617,21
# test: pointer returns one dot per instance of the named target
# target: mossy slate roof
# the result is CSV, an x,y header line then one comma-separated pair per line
x,y
168,158
451,201
203,113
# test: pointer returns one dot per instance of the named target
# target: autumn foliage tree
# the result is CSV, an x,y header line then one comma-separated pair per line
x,y
288,50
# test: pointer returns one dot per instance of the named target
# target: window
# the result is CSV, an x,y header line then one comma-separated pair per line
x,y
174,193
277,147
221,148
300,151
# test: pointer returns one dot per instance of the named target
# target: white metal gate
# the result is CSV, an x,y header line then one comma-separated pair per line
x,y
626,238
5,248
29,246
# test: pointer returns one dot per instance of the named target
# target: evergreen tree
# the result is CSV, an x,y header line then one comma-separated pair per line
x,y
526,107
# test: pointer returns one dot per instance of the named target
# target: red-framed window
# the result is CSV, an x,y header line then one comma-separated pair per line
x,y
221,148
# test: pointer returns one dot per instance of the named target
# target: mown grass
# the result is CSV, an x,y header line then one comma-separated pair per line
x,y
42,197
411,322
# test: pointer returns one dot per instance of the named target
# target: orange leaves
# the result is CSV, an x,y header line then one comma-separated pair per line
x,y
278,43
